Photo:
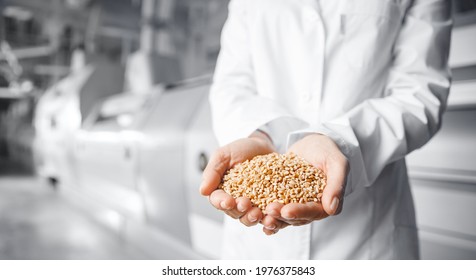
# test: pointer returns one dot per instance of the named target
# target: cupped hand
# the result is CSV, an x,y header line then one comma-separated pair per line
x,y
323,153
222,160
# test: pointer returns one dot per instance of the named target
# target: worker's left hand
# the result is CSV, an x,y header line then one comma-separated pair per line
x,y
323,153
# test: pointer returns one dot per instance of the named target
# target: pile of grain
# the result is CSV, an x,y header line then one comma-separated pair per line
x,y
275,178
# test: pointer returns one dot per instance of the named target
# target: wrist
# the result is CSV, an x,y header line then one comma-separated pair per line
x,y
263,137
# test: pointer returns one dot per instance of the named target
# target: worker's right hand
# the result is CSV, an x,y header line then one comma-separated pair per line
x,y
225,158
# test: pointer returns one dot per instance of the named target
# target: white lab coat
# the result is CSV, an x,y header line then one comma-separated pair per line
x,y
371,74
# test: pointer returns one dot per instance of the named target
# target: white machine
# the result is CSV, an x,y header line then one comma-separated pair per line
x,y
141,157
61,109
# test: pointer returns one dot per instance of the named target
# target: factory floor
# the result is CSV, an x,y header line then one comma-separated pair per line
x,y
36,222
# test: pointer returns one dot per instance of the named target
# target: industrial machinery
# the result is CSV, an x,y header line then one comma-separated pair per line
x,y
141,157
62,108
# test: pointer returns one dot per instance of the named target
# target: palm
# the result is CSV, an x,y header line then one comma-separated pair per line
x,y
323,153
224,159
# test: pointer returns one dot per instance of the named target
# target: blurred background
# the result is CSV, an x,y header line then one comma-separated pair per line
x,y
105,130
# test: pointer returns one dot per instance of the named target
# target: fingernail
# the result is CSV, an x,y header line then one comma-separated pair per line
x,y
271,227
334,205
240,207
224,205
252,218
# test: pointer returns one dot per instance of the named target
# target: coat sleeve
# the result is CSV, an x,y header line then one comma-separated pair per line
x,y
382,130
236,108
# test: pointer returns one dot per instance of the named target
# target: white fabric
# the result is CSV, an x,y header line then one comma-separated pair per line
x,y
371,74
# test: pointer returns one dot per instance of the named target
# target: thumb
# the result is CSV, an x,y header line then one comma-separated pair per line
x,y
216,168
333,194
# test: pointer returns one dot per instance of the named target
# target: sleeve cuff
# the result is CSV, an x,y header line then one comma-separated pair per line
x,y
279,129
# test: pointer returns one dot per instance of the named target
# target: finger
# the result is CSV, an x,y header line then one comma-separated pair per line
x,y
221,200
234,213
272,224
270,232
243,204
333,194
216,168
298,212
274,210
252,217
300,223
